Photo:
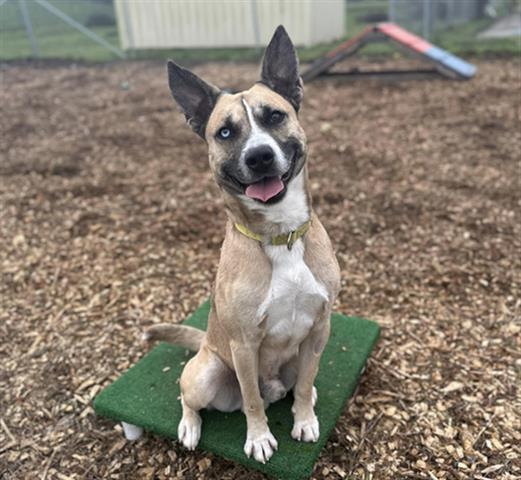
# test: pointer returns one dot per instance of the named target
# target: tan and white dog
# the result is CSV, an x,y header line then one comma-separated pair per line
x,y
278,276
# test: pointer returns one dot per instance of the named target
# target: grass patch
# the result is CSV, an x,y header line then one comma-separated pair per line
x,y
60,44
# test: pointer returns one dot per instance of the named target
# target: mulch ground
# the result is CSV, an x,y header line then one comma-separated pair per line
x,y
110,221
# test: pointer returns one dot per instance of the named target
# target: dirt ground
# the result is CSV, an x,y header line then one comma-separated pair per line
x,y
110,221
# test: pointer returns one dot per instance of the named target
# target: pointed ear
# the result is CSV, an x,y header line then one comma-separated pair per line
x,y
280,68
195,97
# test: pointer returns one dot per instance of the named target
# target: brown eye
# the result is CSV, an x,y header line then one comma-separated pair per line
x,y
276,117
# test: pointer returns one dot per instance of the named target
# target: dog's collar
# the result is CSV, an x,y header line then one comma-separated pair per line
x,y
287,239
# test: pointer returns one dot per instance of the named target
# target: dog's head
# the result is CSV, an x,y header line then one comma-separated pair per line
x,y
255,142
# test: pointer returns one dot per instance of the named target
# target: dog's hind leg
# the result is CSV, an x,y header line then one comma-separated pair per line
x,y
272,391
189,429
202,382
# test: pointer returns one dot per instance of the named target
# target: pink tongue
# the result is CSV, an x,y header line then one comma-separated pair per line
x,y
265,189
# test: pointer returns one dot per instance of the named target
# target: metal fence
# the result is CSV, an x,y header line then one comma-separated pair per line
x,y
87,29
84,29
427,16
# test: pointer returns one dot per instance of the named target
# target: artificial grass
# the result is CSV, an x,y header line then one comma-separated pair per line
x,y
147,395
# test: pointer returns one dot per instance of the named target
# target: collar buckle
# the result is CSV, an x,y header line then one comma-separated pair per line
x,y
292,238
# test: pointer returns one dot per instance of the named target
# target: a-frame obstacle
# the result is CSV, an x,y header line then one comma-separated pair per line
x,y
442,62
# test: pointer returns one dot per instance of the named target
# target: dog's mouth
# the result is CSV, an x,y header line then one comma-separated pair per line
x,y
269,189
265,189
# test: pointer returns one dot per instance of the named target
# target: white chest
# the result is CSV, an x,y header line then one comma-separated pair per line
x,y
294,297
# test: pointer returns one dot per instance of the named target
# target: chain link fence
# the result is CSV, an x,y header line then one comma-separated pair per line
x,y
82,29
87,30
426,17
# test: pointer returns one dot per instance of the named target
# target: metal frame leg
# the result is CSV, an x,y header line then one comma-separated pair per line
x,y
132,432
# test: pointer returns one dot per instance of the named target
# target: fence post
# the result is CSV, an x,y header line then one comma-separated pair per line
x,y
427,18
450,13
391,10
255,23
29,28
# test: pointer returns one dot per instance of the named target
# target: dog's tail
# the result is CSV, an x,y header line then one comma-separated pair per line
x,y
187,337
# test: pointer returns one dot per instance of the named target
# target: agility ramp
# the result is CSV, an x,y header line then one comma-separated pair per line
x,y
442,63
146,397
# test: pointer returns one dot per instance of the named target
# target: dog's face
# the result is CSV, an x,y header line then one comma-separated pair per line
x,y
255,142
256,145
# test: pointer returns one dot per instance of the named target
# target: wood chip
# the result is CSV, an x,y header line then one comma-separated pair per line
x,y
110,221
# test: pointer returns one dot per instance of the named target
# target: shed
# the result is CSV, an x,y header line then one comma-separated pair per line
x,y
157,24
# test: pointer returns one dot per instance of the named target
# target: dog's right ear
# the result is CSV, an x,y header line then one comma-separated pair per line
x,y
195,97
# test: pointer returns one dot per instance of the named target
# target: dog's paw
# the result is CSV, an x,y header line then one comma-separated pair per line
x,y
189,431
260,446
306,430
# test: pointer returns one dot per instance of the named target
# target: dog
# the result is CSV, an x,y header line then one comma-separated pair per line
x,y
278,275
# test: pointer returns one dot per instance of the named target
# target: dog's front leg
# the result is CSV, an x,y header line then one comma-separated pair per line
x,y
305,426
259,441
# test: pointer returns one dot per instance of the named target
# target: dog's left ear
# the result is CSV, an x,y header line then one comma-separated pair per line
x,y
195,97
280,68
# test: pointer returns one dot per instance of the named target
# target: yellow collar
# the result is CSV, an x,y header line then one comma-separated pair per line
x,y
287,239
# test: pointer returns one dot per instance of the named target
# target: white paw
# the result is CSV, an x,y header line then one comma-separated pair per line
x,y
314,395
261,446
306,430
189,431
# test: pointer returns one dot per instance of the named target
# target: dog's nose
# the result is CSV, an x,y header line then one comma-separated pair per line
x,y
260,159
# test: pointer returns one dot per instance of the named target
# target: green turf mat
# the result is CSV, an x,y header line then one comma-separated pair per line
x,y
148,396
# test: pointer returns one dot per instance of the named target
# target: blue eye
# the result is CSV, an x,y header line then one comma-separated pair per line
x,y
225,133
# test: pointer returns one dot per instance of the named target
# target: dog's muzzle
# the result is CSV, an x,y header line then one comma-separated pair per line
x,y
264,182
